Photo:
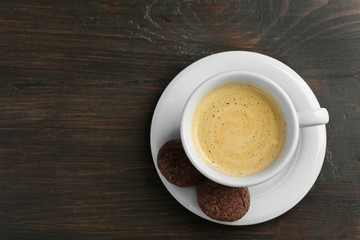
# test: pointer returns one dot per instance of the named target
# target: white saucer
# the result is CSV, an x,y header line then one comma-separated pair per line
x,y
276,196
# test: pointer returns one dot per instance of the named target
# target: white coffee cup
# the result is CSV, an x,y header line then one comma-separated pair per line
x,y
294,121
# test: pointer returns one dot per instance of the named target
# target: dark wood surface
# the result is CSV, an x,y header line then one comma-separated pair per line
x,y
79,81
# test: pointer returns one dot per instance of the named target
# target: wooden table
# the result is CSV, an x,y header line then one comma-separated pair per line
x,y
79,81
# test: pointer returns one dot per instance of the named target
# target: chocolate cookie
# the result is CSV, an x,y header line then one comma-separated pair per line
x,y
175,165
221,202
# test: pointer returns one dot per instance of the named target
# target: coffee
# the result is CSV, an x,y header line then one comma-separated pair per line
x,y
238,129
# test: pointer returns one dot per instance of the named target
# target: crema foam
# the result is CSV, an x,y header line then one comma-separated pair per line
x,y
239,129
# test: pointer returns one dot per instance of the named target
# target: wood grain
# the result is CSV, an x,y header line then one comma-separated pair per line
x,y
79,81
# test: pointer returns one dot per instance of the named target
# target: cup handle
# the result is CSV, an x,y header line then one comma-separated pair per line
x,y
313,117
